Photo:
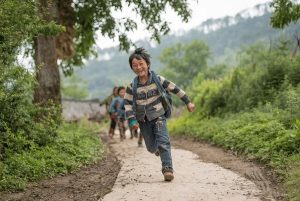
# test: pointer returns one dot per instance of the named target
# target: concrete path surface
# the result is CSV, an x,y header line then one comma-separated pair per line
x,y
140,178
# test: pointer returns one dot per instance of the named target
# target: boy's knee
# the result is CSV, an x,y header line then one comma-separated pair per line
x,y
152,151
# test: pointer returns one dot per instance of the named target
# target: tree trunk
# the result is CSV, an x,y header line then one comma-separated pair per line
x,y
47,72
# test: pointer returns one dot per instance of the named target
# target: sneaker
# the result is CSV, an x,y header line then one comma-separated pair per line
x,y
168,174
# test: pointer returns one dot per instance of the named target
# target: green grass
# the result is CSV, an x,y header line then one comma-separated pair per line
x,y
77,144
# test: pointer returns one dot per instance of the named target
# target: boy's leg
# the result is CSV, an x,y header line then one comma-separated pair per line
x,y
135,132
112,127
140,140
120,129
164,146
124,129
146,130
131,133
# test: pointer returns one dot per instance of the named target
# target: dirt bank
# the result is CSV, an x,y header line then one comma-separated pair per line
x,y
88,183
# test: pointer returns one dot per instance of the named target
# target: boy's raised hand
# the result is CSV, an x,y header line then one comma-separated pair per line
x,y
191,107
133,124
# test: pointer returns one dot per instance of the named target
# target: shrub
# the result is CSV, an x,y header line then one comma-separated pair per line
x,y
20,124
77,144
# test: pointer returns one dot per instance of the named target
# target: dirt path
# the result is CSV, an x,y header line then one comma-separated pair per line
x,y
260,175
140,178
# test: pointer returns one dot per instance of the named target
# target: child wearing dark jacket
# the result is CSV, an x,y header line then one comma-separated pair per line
x,y
118,110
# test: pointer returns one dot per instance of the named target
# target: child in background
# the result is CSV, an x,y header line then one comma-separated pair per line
x,y
118,111
149,114
107,103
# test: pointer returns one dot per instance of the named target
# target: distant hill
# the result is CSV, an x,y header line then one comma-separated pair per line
x,y
224,36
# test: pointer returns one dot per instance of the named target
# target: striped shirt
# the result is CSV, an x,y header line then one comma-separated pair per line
x,y
148,99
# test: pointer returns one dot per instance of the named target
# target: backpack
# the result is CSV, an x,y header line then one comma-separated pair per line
x,y
165,95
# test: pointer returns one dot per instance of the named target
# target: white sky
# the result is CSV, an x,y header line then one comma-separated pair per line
x,y
201,11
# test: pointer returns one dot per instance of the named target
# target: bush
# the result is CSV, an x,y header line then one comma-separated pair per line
x,y
257,134
75,145
248,86
21,125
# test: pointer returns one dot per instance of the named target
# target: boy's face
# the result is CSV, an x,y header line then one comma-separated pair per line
x,y
122,93
140,67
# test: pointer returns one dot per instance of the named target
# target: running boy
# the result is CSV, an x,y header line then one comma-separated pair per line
x,y
148,112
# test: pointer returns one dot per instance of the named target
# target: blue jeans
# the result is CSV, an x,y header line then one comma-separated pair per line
x,y
156,138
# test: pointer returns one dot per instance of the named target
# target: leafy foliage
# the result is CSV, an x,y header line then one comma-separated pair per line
x,y
76,145
286,11
97,17
258,134
19,22
21,125
183,61
258,81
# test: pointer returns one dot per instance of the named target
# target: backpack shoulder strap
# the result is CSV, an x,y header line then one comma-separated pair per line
x,y
161,90
134,92
157,82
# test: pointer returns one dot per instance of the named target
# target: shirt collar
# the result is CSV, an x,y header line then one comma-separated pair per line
x,y
149,78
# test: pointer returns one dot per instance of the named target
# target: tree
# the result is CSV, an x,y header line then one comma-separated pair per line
x,y
184,62
285,12
19,23
49,48
82,19
21,127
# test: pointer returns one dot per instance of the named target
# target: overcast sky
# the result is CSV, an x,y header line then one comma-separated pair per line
x,y
201,11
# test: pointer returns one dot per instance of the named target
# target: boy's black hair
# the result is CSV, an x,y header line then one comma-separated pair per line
x,y
140,53
120,88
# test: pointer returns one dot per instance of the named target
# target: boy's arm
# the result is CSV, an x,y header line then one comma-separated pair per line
x,y
173,88
128,102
